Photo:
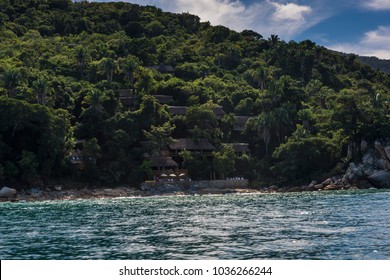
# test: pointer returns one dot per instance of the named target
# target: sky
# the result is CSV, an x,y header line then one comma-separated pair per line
x,y
350,26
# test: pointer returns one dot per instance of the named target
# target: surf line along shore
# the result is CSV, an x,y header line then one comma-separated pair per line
x,y
69,192
162,188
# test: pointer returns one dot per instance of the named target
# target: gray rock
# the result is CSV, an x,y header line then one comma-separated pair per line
x,y
380,179
273,188
381,150
363,145
387,151
332,187
327,182
352,177
368,159
7,192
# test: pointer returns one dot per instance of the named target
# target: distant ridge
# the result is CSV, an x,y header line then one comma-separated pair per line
x,y
376,63
372,61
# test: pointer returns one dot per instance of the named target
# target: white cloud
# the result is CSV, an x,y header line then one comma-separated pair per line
x,y
290,11
290,19
376,4
373,43
264,16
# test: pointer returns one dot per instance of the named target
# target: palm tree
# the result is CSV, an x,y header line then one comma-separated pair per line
x,y
81,55
275,89
95,99
265,123
129,65
41,86
273,40
144,81
260,76
109,66
11,79
281,116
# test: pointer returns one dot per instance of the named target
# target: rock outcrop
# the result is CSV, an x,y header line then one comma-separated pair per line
x,y
380,179
372,171
7,192
374,168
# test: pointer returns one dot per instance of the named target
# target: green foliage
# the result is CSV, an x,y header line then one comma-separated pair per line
x,y
305,156
224,161
198,165
72,57
28,165
160,136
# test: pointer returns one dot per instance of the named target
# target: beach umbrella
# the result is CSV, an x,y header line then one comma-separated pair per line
x,y
163,175
182,174
172,175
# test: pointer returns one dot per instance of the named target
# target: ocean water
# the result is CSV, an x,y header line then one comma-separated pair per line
x,y
320,225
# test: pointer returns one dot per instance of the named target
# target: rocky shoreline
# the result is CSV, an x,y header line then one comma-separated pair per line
x,y
372,172
46,194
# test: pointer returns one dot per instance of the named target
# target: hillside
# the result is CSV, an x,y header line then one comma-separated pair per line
x,y
376,63
116,92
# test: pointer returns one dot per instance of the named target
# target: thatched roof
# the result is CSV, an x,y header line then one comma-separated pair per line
x,y
164,99
239,148
128,101
191,145
218,111
124,93
178,110
182,110
163,162
240,122
162,68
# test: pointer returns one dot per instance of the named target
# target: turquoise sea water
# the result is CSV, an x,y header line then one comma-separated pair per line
x,y
327,225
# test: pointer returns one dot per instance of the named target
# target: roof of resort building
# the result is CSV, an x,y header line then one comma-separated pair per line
x,y
218,111
239,147
191,144
162,68
240,122
163,162
163,99
131,99
178,110
124,92
182,110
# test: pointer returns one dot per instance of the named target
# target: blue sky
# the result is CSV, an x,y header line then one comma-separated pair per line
x,y
352,26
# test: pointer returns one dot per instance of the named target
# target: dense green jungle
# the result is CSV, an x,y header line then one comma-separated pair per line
x,y
98,74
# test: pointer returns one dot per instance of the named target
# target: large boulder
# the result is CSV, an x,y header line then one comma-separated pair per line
x,y
380,179
387,151
7,192
383,155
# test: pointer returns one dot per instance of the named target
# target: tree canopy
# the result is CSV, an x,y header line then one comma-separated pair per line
x,y
64,66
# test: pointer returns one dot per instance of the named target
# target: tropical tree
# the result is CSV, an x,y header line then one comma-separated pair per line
x,y
145,81
129,65
41,88
273,40
81,56
260,76
11,79
160,136
224,161
109,66
265,123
